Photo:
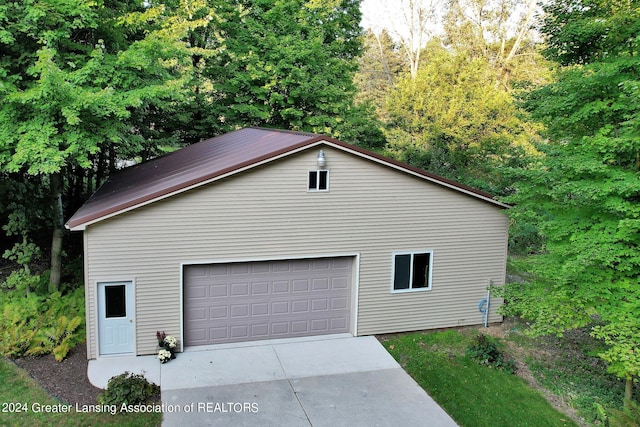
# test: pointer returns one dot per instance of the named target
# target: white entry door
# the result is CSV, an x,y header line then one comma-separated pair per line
x,y
115,318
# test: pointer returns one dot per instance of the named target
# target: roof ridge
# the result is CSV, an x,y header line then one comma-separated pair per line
x,y
289,131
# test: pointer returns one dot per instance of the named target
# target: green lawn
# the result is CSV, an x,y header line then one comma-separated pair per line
x,y
474,395
19,392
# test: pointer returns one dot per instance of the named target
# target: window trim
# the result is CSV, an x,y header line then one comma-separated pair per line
x,y
412,253
317,173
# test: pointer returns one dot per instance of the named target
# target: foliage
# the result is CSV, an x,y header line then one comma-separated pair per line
x,y
473,395
37,325
485,350
285,64
587,31
79,81
630,418
502,32
57,340
23,209
128,389
68,85
569,368
453,121
379,67
17,386
584,191
20,281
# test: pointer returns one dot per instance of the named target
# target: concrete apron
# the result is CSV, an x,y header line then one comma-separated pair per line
x,y
315,381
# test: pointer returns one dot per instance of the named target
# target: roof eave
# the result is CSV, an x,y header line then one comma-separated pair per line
x,y
81,223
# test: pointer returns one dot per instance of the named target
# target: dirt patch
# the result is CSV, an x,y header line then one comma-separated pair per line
x,y
67,380
523,371
520,355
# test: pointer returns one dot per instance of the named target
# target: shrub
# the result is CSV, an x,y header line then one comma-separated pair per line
x,y
128,389
38,325
485,350
617,418
58,339
20,281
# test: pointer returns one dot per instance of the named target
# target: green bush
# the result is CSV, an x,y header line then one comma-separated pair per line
x,y
128,389
20,281
485,350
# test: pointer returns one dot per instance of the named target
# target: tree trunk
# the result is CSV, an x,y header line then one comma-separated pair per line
x,y
56,240
628,394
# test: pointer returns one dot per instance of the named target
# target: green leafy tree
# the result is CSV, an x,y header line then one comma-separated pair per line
x,y
72,74
452,120
287,64
585,190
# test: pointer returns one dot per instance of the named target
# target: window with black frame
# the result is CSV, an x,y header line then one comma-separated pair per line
x,y
412,270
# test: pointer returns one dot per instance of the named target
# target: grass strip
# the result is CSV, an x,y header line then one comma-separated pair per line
x,y
23,403
474,395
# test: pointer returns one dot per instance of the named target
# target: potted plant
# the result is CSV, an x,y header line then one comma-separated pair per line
x,y
167,346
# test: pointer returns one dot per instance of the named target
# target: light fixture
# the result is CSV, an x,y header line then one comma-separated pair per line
x,y
322,160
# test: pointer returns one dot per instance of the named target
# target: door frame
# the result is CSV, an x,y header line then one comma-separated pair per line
x,y
129,283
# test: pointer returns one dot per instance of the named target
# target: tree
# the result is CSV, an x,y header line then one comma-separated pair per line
x,y
287,64
502,32
71,74
379,68
453,121
585,190
409,22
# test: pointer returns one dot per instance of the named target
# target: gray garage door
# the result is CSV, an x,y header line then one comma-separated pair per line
x,y
264,300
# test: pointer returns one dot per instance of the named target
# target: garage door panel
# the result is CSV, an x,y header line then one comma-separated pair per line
x,y
239,310
199,334
198,313
280,267
260,309
260,288
262,300
340,283
301,265
301,306
218,291
259,267
339,322
239,289
239,332
281,286
198,292
239,268
217,312
321,284
260,330
219,333
300,286
320,304
338,303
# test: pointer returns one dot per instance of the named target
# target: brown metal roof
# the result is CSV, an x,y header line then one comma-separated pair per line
x,y
209,159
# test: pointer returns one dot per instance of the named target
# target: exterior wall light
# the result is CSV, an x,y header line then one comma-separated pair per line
x,y
322,160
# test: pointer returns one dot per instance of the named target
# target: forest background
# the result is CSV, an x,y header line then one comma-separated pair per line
x,y
537,104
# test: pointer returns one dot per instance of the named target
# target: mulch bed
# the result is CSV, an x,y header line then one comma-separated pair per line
x,y
67,380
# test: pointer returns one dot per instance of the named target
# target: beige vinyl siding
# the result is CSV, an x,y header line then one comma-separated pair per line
x,y
267,212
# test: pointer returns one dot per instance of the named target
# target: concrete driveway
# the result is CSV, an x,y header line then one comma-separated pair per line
x,y
321,381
